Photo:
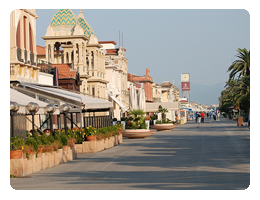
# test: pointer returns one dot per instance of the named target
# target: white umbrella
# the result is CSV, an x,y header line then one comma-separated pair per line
x,y
141,98
135,105
132,97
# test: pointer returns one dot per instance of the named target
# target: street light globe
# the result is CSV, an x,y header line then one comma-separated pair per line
x,y
32,107
50,108
14,106
65,108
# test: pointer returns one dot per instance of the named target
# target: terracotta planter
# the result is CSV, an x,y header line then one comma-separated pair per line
x,y
40,150
137,133
163,127
91,138
17,154
64,148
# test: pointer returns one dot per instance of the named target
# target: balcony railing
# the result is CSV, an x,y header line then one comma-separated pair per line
x,y
25,60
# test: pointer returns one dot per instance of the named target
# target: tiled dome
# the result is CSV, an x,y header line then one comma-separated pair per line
x,y
86,27
64,17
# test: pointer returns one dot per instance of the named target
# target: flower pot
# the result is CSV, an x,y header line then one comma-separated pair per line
x,y
147,122
16,154
91,138
64,148
40,150
123,122
163,127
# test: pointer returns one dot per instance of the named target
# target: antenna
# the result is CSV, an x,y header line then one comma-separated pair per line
x,y
122,40
119,38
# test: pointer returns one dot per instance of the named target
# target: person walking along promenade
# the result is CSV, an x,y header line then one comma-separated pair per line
x,y
196,117
199,118
202,117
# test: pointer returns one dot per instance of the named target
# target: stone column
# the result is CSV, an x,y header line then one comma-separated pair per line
x,y
74,55
80,53
69,55
65,56
89,60
84,58
52,53
47,51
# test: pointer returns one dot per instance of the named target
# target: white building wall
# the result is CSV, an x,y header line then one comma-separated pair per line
x,y
45,79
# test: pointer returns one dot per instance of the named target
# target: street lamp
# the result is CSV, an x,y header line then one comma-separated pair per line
x,y
65,108
50,109
14,107
32,108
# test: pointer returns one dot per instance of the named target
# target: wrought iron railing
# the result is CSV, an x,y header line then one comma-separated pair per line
x,y
97,121
25,57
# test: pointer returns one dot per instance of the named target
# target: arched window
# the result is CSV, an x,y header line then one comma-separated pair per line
x,y
18,42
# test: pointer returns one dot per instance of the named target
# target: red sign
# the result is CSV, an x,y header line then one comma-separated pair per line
x,y
185,86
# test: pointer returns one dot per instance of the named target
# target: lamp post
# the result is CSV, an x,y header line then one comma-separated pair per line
x,y
50,109
14,107
32,108
65,108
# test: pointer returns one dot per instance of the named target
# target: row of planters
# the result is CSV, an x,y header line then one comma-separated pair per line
x,y
50,143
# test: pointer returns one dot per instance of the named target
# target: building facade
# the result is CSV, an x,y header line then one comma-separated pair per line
x,y
116,74
70,39
23,67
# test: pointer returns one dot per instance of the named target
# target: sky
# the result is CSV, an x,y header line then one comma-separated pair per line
x,y
202,42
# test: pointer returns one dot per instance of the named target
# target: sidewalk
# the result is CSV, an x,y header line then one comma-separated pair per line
x,y
208,156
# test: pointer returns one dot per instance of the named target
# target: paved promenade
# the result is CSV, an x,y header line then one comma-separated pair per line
x,y
192,156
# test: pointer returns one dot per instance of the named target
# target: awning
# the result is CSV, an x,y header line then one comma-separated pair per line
x,y
119,103
153,107
23,100
86,101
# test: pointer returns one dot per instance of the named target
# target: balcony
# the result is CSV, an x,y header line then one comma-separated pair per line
x,y
25,59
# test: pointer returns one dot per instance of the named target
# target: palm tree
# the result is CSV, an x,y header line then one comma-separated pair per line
x,y
242,65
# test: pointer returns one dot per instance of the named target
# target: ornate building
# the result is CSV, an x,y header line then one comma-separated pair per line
x,y
116,71
23,66
70,39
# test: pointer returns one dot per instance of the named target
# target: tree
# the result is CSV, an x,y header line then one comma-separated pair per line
x,y
163,111
241,66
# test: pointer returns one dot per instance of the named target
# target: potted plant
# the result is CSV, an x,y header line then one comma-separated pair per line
x,y
16,144
27,149
90,133
154,118
114,121
163,111
123,120
64,139
147,121
164,124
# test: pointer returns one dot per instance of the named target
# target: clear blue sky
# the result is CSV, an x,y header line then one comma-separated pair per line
x,y
170,42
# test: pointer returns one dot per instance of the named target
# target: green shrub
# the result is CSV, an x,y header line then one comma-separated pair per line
x,y
64,139
16,143
44,139
50,138
31,141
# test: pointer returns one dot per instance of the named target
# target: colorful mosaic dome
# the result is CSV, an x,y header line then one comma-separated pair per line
x,y
86,27
64,17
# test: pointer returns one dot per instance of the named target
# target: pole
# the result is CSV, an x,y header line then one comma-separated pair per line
x,y
32,124
65,123
51,124
12,123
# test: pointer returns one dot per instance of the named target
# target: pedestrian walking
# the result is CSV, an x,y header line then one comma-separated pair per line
x,y
196,117
214,115
210,114
202,117
199,118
